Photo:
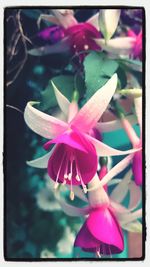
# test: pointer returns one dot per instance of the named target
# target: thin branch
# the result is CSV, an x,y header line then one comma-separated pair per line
x,y
24,39
17,109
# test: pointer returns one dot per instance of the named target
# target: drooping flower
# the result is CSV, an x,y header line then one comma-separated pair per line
x,y
101,232
127,122
74,158
68,34
130,45
81,37
135,140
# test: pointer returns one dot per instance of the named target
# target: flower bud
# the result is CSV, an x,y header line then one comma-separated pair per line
x,y
137,167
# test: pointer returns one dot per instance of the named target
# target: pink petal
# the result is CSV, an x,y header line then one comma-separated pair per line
x,y
72,139
137,167
71,210
66,20
41,162
114,125
121,190
81,38
118,209
73,110
43,124
131,33
116,169
63,102
130,132
83,164
86,240
99,196
125,218
91,112
118,45
135,196
105,150
103,171
103,225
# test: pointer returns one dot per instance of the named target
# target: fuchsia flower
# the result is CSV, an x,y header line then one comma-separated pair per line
x,y
74,158
137,48
101,232
68,34
136,141
92,237
130,45
81,37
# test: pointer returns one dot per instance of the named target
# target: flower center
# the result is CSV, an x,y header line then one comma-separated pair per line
x,y
82,37
70,170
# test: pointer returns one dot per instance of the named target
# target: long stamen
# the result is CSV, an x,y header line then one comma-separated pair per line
x,y
98,252
109,251
70,178
71,168
79,178
66,171
83,185
56,182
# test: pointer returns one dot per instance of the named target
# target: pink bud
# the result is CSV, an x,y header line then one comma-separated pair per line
x,y
137,167
103,171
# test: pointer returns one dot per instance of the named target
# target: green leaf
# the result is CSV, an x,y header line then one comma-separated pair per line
x,y
98,70
131,64
66,85
122,77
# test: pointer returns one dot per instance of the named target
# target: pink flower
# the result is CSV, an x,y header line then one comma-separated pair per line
x,y
94,236
73,160
68,34
136,141
81,38
137,167
137,48
101,232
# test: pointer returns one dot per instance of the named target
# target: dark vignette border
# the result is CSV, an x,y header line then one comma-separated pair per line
x,y
143,140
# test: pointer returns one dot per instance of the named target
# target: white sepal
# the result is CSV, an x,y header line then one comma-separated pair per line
x,y
108,22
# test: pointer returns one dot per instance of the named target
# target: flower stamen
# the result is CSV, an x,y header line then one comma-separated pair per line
x,y
57,178
98,253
